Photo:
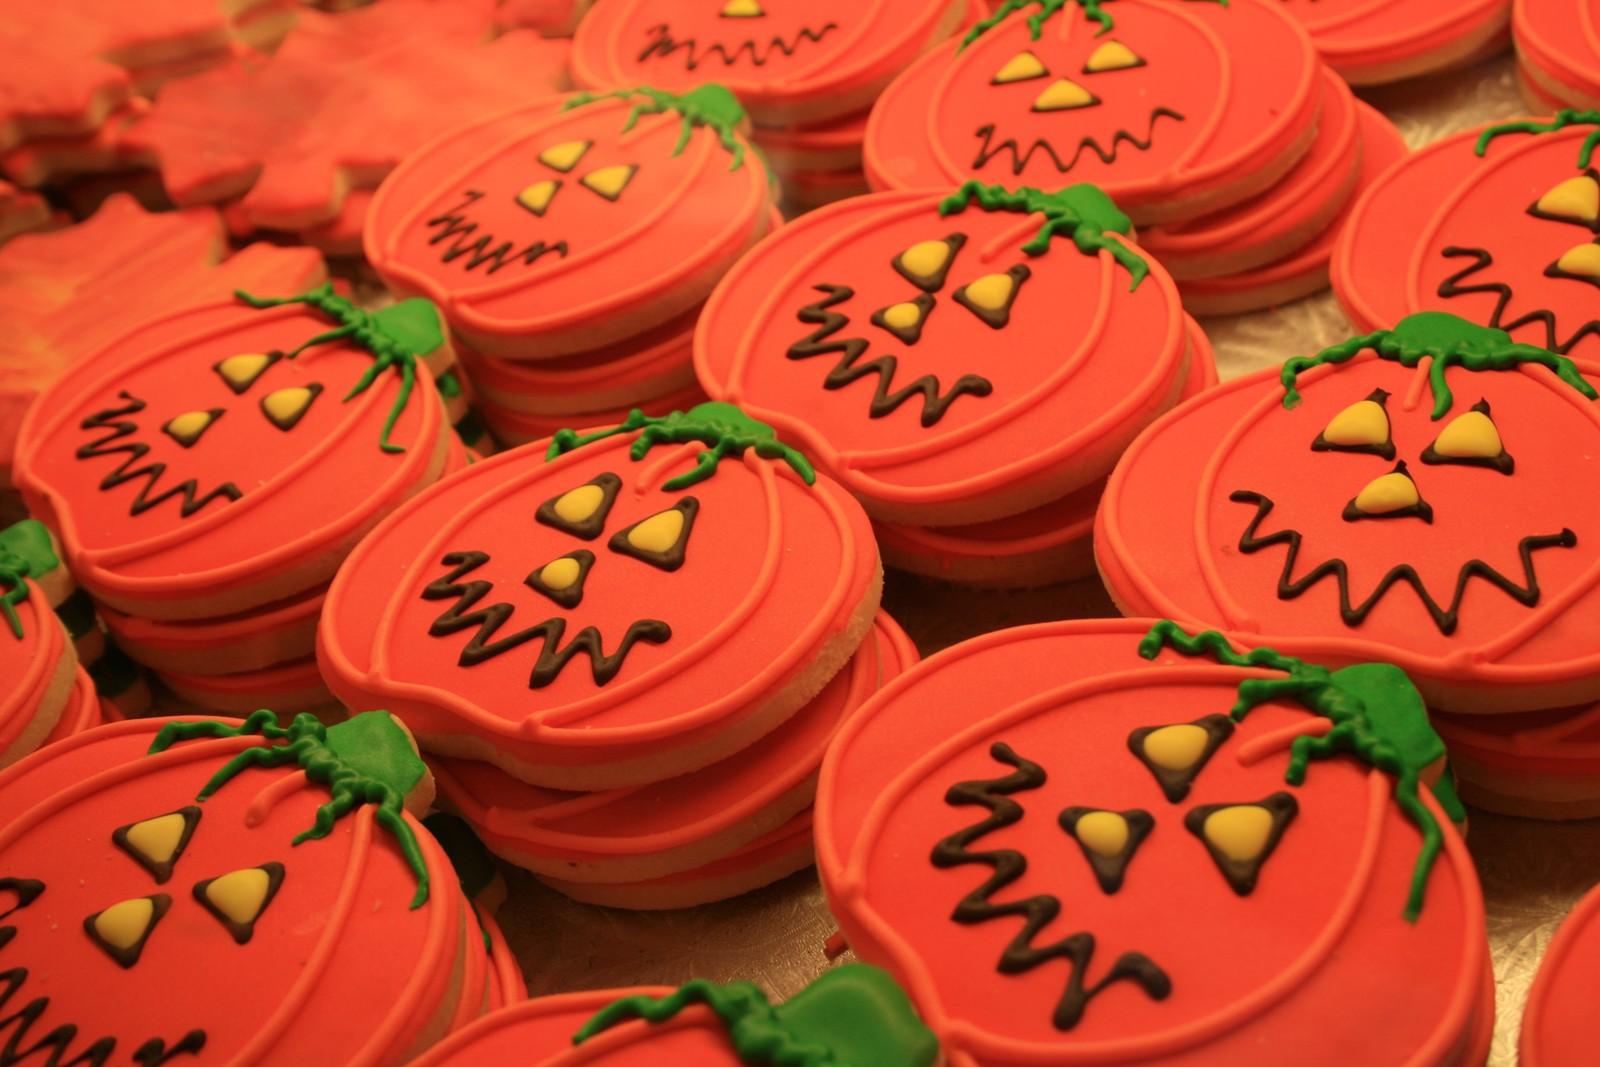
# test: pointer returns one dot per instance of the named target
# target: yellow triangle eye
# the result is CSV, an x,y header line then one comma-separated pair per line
x,y
926,263
1113,55
157,843
661,540
187,428
1389,496
536,197
1581,262
1574,200
284,408
1024,66
991,296
1064,94
742,9
905,319
582,510
1361,427
563,157
238,898
1240,837
240,372
609,181
1471,439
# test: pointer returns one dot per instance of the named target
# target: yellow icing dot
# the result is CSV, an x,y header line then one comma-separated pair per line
x,y
560,574
658,533
1362,423
286,405
609,181
742,9
990,292
239,371
1386,493
536,197
1113,55
123,925
157,839
1020,68
187,428
1471,435
240,895
902,316
1176,748
1239,832
578,504
925,258
1576,198
1063,94
1583,260
564,156
1103,832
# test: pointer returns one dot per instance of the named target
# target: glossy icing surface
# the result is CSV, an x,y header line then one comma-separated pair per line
x,y
1217,94
1474,248
1225,511
1314,964
928,428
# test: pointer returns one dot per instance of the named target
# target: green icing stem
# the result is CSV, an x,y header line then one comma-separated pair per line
x,y
1563,118
710,105
1082,212
1451,341
367,759
729,432
25,552
1378,717
1091,10
396,335
852,1016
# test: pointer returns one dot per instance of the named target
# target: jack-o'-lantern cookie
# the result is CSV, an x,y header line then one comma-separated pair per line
x,y
201,892
789,62
1498,225
1369,44
853,1014
1560,1027
616,609
572,223
1173,107
1558,52
950,358
227,456
1074,846
1406,496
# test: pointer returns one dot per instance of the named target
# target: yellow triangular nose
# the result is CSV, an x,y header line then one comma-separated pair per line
x,y
1064,94
742,9
1583,261
1386,493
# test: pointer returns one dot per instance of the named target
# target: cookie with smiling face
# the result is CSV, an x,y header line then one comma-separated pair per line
x,y
1405,496
1174,107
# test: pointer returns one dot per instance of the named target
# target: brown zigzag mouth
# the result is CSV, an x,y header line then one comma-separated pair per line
x,y
1019,159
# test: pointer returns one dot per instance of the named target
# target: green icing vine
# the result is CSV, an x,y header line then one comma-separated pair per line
x,y
852,1016
1451,341
729,432
367,759
711,106
1082,212
1562,119
25,552
396,335
1092,10
1378,716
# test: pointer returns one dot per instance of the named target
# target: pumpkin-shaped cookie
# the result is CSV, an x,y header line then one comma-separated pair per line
x,y
646,600
1074,846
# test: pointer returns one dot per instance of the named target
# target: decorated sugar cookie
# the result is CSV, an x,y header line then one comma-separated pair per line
x,y
871,334
573,222
197,892
1173,107
612,609
1369,44
1074,845
1559,1026
853,1014
39,673
1497,225
789,62
227,456
1558,51
1404,496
